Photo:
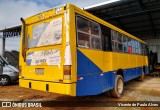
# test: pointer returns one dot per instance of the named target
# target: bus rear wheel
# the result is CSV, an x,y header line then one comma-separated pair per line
x,y
119,86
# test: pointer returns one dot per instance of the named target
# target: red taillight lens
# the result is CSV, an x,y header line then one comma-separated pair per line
x,y
67,72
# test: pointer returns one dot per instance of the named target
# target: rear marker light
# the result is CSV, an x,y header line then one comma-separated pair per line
x,y
80,78
101,74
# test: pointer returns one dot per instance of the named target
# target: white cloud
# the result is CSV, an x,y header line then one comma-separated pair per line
x,y
12,11
10,14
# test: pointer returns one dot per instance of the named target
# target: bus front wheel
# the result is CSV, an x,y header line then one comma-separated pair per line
x,y
118,88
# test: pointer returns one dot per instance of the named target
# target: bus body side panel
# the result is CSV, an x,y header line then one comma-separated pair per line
x,y
132,73
131,64
92,79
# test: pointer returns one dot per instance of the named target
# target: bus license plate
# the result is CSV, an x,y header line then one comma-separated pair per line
x,y
39,71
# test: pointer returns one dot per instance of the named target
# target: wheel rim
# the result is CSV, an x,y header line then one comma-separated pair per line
x,y
120,86
3,80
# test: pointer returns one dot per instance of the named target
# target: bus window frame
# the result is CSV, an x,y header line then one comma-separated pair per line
x,y
89,33
125,43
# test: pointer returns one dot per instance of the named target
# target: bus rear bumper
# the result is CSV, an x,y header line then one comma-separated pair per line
x,y
60,88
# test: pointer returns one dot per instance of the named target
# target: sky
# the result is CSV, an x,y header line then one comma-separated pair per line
x,y
12,10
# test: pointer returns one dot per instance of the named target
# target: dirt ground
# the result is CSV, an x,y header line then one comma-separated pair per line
x,y
148,90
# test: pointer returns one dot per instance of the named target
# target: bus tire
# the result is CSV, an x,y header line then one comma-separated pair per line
x,y
4,80
117,91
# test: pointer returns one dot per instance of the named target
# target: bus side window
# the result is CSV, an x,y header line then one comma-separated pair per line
x,y
95,28
129,46
136,47
96,42
82,24
125,44
133,46
83,40
83,29
106,38
114,40
139,48
88,33
120,41
95,35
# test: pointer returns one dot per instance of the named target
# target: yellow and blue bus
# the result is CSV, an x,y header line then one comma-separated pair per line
x,y
69,51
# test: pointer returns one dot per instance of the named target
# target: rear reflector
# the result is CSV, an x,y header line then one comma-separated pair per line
x,y
101,74
67,72
80,78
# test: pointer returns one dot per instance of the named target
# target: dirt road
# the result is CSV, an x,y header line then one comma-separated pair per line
x,y
148,90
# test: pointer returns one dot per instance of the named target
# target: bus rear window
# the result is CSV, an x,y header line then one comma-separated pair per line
x,y
46,33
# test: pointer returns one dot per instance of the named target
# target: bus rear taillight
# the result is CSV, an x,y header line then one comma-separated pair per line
x,y
67,72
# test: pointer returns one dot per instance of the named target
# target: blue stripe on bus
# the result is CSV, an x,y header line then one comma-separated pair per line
x,y
132,73
93,82
85,65
146,69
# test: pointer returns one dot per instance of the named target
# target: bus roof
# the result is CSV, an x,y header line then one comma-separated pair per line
x,y
35,18
44,15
